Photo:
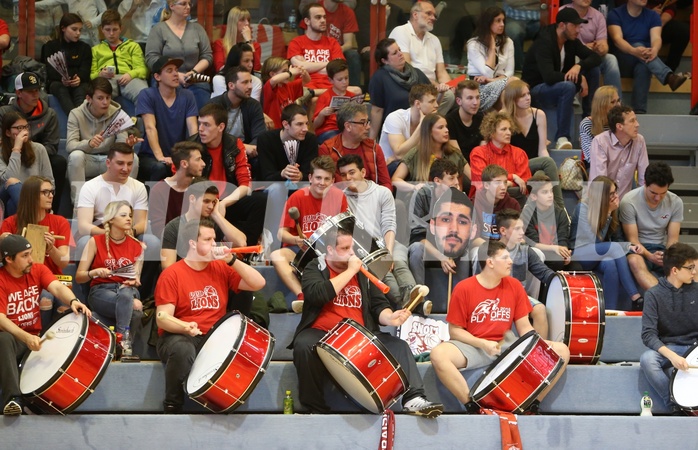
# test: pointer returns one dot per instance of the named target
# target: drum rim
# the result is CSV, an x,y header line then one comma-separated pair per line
x,y
576,359
226,364
354,370
61,372
673,377
329,222
490,387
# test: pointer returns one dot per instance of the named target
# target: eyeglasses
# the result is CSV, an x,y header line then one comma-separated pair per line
x,y
691,268
48,192
20,127
613,194
363,123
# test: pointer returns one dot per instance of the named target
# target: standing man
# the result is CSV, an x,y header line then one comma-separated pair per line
x,y
354,125
169,115
553,73
21,283
670,320
423,50
621,151
195,290
651,217
483,309
43,125
594,35
336,290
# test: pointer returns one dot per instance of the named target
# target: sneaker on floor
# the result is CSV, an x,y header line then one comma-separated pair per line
x,y
13,407
563,144
420,406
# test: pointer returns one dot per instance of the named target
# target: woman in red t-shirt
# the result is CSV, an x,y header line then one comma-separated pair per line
x,y
112,263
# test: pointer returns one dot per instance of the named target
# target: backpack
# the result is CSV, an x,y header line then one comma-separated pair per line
x,y
24,64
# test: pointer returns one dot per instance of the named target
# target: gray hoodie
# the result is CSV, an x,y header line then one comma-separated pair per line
x,y
82,126
375,208
670,315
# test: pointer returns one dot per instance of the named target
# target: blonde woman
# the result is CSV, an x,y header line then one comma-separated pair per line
x,y
237,31
605,98
112,262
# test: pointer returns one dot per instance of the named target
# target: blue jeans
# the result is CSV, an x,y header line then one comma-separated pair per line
x,y
611,77
202,93
10,196
642,73
519,31
114,301
561,96
657,370
354,62
608,258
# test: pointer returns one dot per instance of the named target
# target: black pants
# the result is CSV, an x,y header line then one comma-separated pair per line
x,y
150,169
68,97
11,353
677,35
247,215
178,352
312,372
59,166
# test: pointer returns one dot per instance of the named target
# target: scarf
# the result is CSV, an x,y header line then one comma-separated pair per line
x,y
406,79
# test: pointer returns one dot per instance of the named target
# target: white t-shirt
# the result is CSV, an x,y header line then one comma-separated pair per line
x,y
97,194
425,53
397,122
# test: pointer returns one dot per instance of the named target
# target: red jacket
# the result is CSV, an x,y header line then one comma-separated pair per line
x,y
513,159
370,152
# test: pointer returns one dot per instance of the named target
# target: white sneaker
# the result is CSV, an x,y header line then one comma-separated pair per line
x,y
420,406
563,144
297,306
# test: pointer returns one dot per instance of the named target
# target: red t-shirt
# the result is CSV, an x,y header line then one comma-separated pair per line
x,y
4,29
323,50
56,224
488,313
323,101
342,20
198,296
217,169
19,297
347,304
279,97
122,254
314,211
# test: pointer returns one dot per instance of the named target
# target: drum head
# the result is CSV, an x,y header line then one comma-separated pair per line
x,y
684,384
557,304
40,368
216,351
505,363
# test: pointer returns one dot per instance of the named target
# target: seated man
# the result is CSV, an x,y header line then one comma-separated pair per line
x,y
651,217
167,196
86,144
21,283
315,203
423,50
491,198
636,33
195,290
334,290
128,78
353,123
447,243
553,73
621,151
477,338
670,320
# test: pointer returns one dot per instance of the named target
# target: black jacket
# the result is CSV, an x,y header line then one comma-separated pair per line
x,y
542,61
231,154
252,116
272,156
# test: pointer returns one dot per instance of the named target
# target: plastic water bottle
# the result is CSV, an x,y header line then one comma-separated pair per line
x,y
292,20
126,343
288,403
646,405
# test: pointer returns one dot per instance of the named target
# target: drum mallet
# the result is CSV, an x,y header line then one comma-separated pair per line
x,y
47,337
164,316
450,288
423,292
295,215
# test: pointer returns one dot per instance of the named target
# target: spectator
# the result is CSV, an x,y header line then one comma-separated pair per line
x,y
283,85
139,17
490,199
325,120
4,39
523,22
70,92
464,122
126,57
237,31
240,55
605,98
178,38
89,12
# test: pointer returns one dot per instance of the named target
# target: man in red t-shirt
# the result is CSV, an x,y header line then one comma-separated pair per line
x,y
195,291
315,203
21,283
335,290
483,308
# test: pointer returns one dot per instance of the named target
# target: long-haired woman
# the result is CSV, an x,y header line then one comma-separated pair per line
x,y
237,31
605,98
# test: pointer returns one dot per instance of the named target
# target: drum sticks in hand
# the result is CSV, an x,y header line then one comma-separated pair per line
x,y
423,292
295,215
187,327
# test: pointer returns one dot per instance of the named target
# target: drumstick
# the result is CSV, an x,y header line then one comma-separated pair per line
x,y
248,249
295,215
162,315
507,335
423,292
693,367
58,236
450,287
47,337
374,279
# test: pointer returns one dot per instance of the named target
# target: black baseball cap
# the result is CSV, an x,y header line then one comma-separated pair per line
x,y
569,15
13,244
27,81
164,61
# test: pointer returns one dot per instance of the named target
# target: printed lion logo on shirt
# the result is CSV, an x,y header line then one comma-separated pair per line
x,y
206,298
350,297
490,308
312,222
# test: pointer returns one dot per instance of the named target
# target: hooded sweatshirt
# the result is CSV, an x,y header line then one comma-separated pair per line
x,y
670,315
375,208
83,126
